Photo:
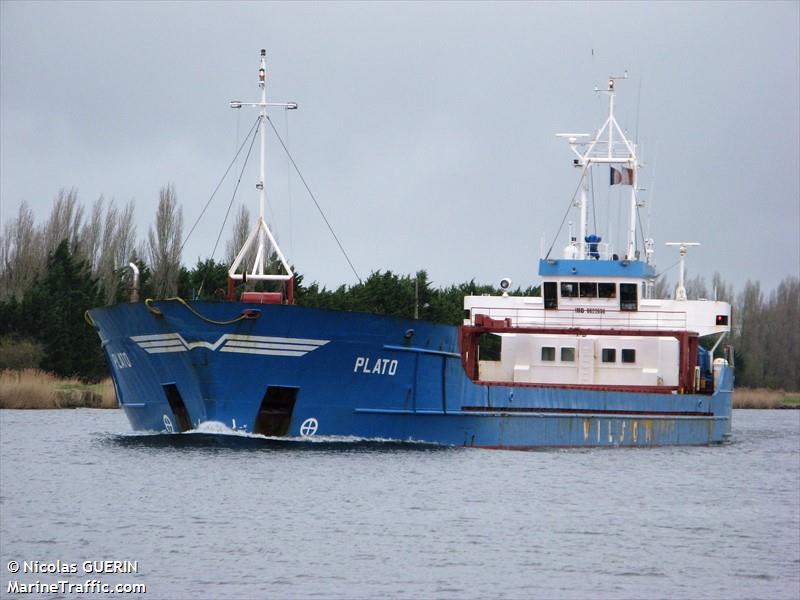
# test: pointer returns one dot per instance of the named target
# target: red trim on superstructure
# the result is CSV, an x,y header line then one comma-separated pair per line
x,y
647,389
687,359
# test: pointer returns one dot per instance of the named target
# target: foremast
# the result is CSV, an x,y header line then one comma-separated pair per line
x,y
262,232
609,146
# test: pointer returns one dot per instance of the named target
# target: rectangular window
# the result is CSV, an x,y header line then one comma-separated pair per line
x,y
609,355
569,289
567,354
588,290
490,346
548,353
606,290
628,355
550,294
628,296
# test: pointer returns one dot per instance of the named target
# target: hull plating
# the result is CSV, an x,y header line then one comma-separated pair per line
x,y
298,371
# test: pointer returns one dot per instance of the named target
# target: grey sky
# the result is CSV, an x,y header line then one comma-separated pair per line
x,y
425,130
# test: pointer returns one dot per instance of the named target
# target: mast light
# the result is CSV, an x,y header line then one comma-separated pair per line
x,y
236,104
262,74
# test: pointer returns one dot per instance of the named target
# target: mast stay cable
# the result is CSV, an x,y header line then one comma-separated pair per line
x,y
569,206
310,193
233,196
216,189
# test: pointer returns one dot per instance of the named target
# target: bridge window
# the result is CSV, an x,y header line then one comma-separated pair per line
x,y
628,296
609,355
548,353
567,354
569,289
550,294
588,290
628,355
606,290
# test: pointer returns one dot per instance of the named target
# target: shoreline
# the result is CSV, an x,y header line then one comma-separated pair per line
x,y
32,389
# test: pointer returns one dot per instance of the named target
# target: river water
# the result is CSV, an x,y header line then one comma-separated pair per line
x,y
228,516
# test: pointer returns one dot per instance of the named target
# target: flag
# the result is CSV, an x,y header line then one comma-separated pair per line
x,y
622,176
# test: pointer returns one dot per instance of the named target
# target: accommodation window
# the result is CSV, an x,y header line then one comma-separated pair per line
x,y
548,353
588,290
606,290
628,296
569,289
628,355
609,355
550,294
567,354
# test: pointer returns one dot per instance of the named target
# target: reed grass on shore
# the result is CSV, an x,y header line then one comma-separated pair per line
x,y
764,398
32,388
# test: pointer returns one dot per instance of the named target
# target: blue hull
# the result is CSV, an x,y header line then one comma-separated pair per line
x,y
300,372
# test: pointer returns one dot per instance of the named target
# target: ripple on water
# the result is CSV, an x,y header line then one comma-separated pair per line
x,y
216,513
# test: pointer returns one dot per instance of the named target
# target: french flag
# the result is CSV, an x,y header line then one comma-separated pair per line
x,y
622,176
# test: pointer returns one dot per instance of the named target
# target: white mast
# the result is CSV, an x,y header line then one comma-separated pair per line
x,y
261,233
680,290
609,146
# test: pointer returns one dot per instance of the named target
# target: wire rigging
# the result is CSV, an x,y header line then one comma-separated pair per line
x,y
289,186
310,193
216,189
569,206
233,196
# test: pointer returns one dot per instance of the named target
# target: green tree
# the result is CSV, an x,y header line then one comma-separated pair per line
x,y
54,310
208,280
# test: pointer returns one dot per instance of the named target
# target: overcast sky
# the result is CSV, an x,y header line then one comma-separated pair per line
x,y
425,130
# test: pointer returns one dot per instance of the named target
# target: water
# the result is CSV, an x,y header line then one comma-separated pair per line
x,y
212,516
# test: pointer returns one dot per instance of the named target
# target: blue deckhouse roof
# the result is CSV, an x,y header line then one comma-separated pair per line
x,y
595,268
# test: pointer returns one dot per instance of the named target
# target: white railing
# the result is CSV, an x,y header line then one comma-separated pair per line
x,y
585,318
603,249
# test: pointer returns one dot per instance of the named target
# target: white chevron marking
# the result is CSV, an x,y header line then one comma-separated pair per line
x,y
230,342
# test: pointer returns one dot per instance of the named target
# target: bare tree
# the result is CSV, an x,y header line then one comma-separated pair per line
x,y
696,287
721,291
241,229
65,221
781,336
165,243
22,254
750,336
662,289
90,234
119,238
126,235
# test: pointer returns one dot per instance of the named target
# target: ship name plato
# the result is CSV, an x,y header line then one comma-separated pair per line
x,y
375,366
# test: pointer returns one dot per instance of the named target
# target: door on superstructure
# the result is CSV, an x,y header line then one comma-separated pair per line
x,y
628,296
585,361
550,294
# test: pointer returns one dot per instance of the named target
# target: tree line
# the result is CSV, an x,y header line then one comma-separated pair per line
x,y
50,274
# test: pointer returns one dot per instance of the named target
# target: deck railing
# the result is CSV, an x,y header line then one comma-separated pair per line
x,y
585,317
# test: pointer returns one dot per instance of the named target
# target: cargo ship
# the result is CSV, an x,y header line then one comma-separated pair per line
x,y
593,360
